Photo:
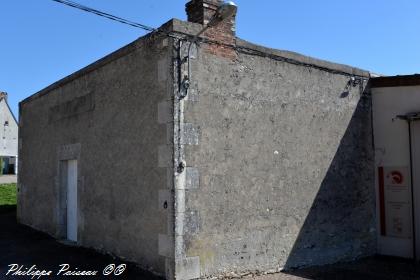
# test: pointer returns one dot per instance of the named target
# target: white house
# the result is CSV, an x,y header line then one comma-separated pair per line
x,y
9,137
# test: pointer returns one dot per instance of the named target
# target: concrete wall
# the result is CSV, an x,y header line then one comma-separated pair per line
x,y
282,172
109,116
279,159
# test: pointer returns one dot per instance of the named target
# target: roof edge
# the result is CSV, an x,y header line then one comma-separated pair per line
x,y
10,110
89,68
306,60
190,28
396,81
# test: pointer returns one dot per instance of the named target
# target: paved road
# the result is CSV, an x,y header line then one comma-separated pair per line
x,y
375,268
7,179
22,245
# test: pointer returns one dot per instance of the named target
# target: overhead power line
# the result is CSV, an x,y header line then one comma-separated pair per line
x,y
106,15
188,37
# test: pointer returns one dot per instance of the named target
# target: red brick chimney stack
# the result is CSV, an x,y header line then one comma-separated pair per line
x,y
202,11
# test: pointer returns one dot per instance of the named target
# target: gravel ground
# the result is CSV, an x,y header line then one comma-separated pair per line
x,y
22,245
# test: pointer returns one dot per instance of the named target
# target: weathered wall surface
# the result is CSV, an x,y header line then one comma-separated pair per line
x,y
279,160
284,162
111,116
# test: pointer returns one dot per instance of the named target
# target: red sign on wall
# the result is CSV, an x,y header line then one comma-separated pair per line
x,y
395,202
395,177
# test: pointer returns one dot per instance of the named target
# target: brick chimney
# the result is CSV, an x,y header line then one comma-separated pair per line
x,y
202,11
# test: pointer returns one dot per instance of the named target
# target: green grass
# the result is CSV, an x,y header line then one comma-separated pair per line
x,y
7,194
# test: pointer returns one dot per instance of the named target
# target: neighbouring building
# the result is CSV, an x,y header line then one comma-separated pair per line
x,y
250,160
9,137
396,127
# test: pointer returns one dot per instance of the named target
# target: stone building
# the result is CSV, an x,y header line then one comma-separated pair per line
x,y
9,137
254,160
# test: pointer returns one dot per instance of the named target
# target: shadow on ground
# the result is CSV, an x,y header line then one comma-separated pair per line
x,y
372,268
22,245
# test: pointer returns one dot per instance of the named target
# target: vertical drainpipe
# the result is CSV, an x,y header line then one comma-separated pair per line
x,y
410,119
179,163
186,267
413,217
